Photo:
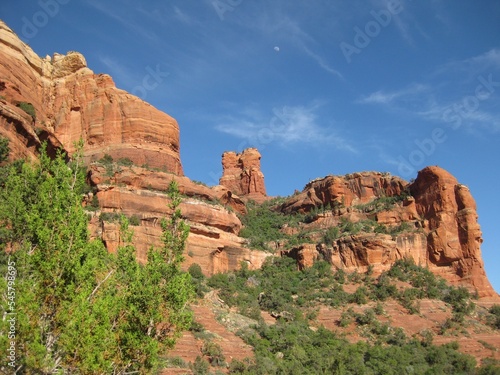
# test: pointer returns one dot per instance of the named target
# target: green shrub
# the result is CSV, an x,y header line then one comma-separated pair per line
x,y
106,159
110,217
368,317
213,352
94,203
4,149
176,362
331,235
28,108
382,203
494,321
126,162
359,296
346,318
459,299
195,271
379,309
135,220
200,366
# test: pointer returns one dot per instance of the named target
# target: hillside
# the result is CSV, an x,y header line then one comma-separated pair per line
x,y
365,258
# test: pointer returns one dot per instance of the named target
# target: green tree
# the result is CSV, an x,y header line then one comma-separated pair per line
x,y
78,308
4,149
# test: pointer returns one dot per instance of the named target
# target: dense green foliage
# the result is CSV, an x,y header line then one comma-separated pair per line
x,y
263,222
293,348
382,203
495,316
4,149
279,287
79,309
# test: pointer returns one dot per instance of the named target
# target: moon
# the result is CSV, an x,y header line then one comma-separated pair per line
x,y
277,49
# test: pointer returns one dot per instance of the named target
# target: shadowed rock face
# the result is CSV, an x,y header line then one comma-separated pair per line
x,y
242,174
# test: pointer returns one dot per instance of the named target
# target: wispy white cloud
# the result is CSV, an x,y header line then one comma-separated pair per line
x,y
489,59
467,69
321,62
445,97
389,97
126,19
182,16
287,126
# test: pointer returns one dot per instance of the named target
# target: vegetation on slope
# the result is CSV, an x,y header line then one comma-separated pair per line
x,y
265,223
294,346
79,309
82,310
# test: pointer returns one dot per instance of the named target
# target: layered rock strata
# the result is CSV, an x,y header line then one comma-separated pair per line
x,y
242,174
438,214
73,103
141,194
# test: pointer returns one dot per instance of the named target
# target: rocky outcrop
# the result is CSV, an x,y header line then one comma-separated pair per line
x,y
72,103
242,174
378,251
305,255
442,232
344,191
453,233
137,192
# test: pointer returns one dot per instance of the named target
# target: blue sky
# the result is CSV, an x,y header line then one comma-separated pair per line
x,y
320,87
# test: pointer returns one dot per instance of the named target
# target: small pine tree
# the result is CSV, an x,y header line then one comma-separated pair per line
x,y
78,308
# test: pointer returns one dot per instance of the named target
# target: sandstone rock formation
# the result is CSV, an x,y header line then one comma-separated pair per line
x,y
60,100
442,230
453,233
141,193
345,191
71,102
242,174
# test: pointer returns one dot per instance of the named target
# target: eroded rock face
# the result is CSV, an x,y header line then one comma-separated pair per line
x,y
345,191
71,102
440,216
380,251
453,233
213,240
242,174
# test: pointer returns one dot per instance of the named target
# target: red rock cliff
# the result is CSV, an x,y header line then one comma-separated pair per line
x,y
71,102
348,190
443,233
453,233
